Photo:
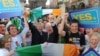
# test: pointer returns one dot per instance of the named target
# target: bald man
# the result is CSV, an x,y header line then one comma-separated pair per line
x,y
52,32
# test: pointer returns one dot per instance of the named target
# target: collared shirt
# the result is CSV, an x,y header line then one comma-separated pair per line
x,y
1,35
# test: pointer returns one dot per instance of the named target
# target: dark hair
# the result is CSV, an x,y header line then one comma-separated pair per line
x,y
74,21
81,5
2,23
73,7
11,26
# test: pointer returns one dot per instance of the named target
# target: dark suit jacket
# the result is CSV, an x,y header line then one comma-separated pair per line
x,y
37,38
53,37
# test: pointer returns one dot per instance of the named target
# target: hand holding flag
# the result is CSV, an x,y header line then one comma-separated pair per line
x,y
26,12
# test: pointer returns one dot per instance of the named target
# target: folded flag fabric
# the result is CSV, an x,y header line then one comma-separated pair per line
x,y
55,12
37,12
49,49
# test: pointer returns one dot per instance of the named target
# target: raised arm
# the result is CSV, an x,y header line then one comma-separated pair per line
x,y
60,29
26,27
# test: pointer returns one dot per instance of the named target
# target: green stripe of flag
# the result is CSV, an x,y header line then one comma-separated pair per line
x,y
37,12
30,51
42,50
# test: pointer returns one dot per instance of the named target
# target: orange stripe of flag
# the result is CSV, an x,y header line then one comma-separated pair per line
x,y
56,12
70,50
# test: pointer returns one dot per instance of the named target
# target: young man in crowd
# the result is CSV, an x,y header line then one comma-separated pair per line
x,y
73,36
16,37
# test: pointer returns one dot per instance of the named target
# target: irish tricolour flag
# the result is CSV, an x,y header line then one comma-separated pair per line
x,y
49,49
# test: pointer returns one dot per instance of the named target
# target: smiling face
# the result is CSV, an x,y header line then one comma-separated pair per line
x,y
94,40
8,44
74,27
12,30
48,28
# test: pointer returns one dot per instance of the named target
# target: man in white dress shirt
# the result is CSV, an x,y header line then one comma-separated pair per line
x,y
2,29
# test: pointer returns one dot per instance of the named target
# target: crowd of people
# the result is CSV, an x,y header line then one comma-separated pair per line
x,y
48,29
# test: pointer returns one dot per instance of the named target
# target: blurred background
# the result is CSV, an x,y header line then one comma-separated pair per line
x,y
69,4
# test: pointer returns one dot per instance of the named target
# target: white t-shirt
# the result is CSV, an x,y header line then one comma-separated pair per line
x,y
14,40
18,39
87,39
3,52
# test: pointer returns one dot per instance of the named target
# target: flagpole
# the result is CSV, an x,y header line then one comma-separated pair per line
x,y
62,7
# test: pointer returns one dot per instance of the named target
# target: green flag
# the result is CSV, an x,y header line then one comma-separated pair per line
x,y
37,12
30,51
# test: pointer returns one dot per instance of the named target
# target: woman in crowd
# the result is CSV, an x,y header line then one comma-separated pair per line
x,y
94,42
89,32
4,50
